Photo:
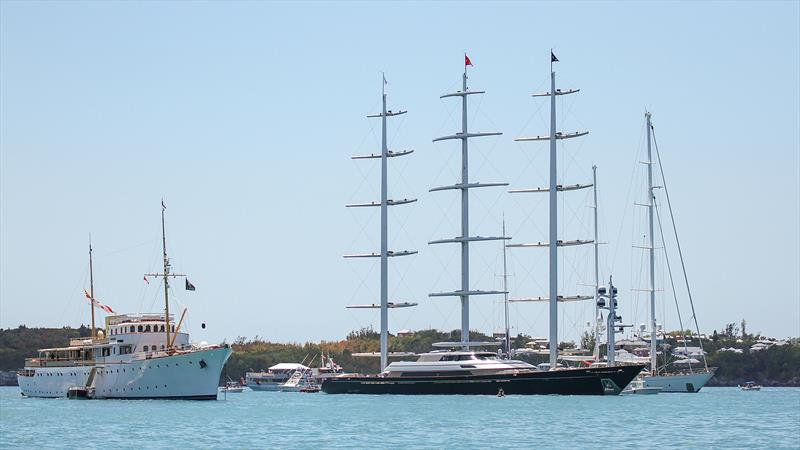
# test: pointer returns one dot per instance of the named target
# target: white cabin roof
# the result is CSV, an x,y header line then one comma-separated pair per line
x,y
288,366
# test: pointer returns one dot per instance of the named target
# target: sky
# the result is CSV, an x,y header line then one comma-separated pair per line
x,y
242,117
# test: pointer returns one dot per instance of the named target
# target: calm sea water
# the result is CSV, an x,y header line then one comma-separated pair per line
x,y
713,418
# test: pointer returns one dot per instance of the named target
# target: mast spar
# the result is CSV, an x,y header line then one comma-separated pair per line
x,y
596,351
464,293
166,272
553,189
166,275
385,253
651,199
91,287
505,295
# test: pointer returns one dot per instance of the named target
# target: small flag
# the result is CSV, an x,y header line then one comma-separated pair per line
x,y
553,57
467,62
105,308
163,206
146,280
384,80
189,286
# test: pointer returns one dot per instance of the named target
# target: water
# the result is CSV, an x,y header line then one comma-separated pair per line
x,y
713,418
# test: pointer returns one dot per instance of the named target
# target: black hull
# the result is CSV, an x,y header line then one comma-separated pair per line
x,y
588,381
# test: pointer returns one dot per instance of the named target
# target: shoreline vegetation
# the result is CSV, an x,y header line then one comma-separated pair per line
x,y
738,356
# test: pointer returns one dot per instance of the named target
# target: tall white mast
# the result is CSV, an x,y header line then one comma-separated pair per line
x,y
505,296
464,293
651,249
553,248
553,298
384,239
384,252
596,270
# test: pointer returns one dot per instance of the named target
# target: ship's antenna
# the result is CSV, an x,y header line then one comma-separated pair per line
x,y
91,287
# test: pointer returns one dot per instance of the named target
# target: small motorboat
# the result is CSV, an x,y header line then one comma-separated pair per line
x,y
80,393
233,387
750,386
310,388
639,387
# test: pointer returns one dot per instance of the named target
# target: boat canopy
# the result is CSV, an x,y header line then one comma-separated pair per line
x,y
288,366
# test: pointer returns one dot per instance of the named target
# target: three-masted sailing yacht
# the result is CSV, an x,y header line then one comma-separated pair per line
x,y
135,356
690,379
460,368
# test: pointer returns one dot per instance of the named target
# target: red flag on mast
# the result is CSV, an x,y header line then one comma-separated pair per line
x,y
467,62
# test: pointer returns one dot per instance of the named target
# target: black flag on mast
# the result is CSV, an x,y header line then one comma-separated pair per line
x,y
189,286
553,57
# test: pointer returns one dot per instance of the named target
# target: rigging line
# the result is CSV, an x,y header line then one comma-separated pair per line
x,y
69,302
627,198
672,282
678,242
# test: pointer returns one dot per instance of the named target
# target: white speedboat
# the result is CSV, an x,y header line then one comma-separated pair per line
x,y
273,378
639,387
233,387
750,386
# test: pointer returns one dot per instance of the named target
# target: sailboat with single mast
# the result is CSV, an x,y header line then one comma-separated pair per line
x,y
689,379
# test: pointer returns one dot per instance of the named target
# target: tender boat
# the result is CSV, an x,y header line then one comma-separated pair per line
x,y
750,386
233,387
639,387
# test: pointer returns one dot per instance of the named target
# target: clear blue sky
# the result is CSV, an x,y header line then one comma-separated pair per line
x,y
243,115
